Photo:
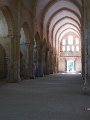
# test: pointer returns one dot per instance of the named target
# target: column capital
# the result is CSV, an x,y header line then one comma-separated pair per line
x,y
14,36
25,43
11,36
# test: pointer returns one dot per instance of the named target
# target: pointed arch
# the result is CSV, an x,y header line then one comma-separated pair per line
x,y
10,20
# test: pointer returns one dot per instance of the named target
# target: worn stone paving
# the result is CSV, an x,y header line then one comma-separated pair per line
x,y
53,97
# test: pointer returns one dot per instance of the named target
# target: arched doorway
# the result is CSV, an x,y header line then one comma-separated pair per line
x,y
8,39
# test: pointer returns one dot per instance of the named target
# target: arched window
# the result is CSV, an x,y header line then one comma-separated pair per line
x,y
77,40
70,43
73,49
70,39
63,49
64,42
77,48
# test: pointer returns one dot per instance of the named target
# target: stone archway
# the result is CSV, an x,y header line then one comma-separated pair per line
x,y
4,47
9,41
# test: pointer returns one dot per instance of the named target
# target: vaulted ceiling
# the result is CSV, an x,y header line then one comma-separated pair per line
x,y
57,17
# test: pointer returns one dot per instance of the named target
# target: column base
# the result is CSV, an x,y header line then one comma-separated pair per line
x,y
11,79
86,89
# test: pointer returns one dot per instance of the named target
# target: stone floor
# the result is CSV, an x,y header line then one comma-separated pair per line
x,y
54,97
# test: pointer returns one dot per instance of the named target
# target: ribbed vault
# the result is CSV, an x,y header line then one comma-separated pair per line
x,y
58,19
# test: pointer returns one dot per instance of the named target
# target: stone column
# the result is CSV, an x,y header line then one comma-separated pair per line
x,y
47,61
29,60
51,61
14,60
54,62
86,88
39,71
43,59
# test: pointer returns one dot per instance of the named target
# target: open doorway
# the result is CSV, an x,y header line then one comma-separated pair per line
x,y
70,66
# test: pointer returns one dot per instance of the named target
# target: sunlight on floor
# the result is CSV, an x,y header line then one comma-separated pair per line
x,y
71,73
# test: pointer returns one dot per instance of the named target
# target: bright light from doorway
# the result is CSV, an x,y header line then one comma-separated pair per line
x,y
70,66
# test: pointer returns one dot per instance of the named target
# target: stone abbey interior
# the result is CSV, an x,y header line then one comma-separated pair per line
x,y
41,39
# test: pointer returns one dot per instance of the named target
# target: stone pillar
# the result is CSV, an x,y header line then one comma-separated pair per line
x,y
29,60
86,88
43,60
47,61
48,64
34,60
14,60
39,67
57,63
54,62
51,61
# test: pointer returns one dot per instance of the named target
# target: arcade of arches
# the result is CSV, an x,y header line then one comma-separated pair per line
x,y
42,37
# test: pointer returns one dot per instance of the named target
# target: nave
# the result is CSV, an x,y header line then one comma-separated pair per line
x,y
53,97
